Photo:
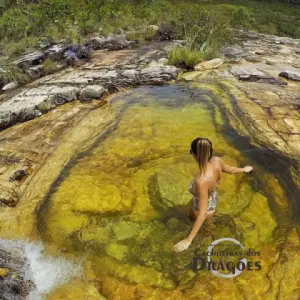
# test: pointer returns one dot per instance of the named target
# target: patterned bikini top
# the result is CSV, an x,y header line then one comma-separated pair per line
x,y
215,186
213,197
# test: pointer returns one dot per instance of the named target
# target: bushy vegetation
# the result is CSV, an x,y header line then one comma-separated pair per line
x,y
205,25
182,57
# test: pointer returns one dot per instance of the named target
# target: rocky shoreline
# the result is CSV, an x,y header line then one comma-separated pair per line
x,y
86,83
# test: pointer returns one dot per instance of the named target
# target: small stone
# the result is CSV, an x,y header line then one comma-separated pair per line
x,y
18,175
8,196
10,86
270,62
260,52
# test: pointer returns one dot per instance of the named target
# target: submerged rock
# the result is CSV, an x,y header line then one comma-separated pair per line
x,y
261,229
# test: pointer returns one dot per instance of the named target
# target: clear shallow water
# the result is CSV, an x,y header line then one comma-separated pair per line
x,y
121,205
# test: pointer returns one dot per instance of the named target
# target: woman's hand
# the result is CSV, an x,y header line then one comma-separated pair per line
x,y
182,245
248,169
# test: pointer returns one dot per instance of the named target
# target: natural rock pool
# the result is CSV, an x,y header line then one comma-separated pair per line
x,y
119,204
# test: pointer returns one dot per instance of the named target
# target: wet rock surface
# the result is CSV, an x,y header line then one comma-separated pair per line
x,y
13,285
90,81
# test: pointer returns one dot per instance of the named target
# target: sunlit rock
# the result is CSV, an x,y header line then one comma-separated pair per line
x,y
210,64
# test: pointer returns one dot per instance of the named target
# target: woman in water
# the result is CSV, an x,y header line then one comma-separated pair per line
x,y
203,186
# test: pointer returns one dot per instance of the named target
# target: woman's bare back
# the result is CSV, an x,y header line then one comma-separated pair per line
x,y
213,171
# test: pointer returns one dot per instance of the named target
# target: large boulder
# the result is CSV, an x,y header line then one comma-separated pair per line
x,y
158,74
92,92
113,42
60,95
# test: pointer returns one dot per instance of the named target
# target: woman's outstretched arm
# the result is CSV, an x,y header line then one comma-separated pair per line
x,y
234,170
201,189
202,195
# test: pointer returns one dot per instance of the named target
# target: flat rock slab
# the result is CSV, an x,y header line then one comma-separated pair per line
x,y
252,74
30,59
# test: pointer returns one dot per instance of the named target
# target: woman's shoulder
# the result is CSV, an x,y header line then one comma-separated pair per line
x,y
215,159
216,162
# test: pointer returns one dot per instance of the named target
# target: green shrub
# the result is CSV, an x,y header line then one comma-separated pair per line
x,y
16,48
49,65
13,73
204,24
182,57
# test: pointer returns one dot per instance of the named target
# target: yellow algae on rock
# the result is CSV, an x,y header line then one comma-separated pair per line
x,y
257,222
189,75
76,290
3,272
99,235
61,223
171,194
134,273
285,273
124,230
98,200
116,251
